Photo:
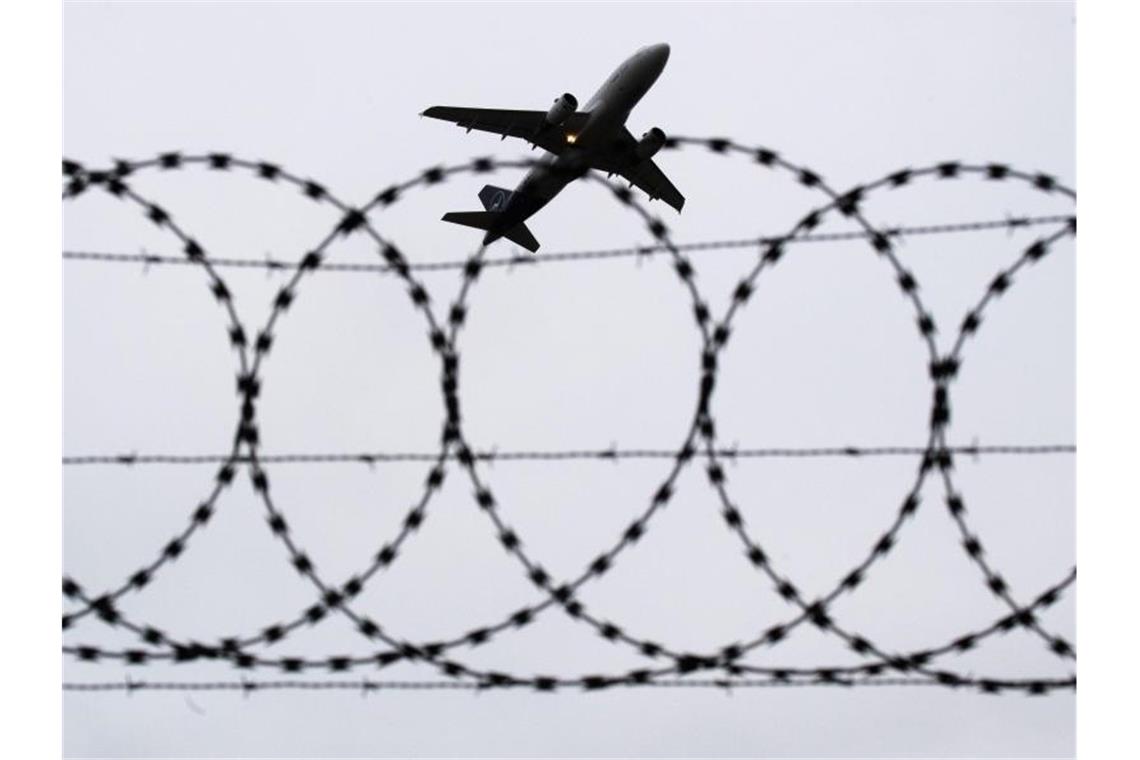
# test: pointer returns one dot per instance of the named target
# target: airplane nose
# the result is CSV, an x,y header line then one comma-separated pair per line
x,y
660,53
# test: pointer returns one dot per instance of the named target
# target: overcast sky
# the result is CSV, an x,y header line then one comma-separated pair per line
x,y
569,356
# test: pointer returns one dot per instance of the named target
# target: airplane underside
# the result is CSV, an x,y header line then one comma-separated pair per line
x,y
577,140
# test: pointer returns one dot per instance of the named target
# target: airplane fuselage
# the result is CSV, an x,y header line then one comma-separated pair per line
x,y
608,108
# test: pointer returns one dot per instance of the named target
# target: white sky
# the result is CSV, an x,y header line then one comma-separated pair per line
x,y
570,356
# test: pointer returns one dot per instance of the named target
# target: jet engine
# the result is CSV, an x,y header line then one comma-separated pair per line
x,y
562,109
650,142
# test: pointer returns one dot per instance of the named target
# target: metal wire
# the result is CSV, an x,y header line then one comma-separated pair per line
x,y
150,259
610,454
936,457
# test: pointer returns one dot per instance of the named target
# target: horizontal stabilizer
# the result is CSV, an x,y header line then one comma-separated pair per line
x,y
480,220
520,235
485,220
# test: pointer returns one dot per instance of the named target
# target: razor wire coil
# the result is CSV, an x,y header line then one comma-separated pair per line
x,y
668,665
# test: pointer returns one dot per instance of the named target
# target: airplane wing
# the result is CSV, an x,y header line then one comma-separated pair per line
x,y
649,178
645,175
525,125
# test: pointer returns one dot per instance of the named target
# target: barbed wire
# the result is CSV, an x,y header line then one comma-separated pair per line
x,y
337,598
610,454
367,686
1009,224
943,369
183,652
560,455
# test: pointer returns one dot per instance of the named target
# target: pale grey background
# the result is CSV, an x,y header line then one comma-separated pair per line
x,y
569,356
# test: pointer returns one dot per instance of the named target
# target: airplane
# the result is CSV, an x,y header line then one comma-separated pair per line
x,y
592,138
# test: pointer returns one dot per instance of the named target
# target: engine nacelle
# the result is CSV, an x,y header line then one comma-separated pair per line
x,y
562,109
650,142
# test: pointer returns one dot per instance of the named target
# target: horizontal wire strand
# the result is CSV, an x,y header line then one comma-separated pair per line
x,y
270,264
612,454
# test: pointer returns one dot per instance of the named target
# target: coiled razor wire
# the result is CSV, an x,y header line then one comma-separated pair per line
x,y
668,665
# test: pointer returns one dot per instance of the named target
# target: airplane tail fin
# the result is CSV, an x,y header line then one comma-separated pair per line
x,y
485,220
494,198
